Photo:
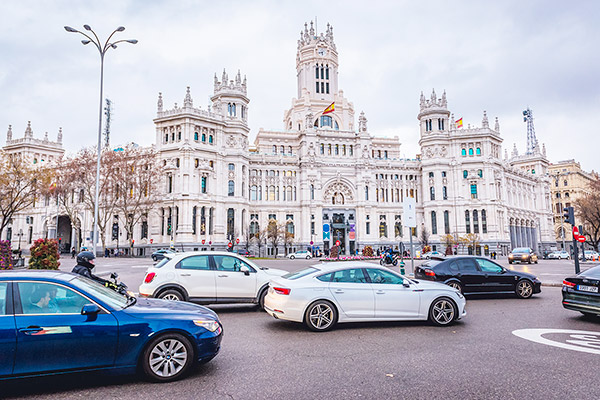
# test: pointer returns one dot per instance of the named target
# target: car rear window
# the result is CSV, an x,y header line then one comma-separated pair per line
x,y
162,262
431,263
521,250
592,273
300,274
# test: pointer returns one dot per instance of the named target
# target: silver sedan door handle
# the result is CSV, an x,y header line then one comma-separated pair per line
x,y
186,274
339,291
222,276
380,292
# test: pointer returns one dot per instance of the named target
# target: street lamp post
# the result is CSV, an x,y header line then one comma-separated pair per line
x,y
102,49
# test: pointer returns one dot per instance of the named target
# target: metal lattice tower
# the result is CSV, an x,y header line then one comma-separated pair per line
x,y
108,114
532,142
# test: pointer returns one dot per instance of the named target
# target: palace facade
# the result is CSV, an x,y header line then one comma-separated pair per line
x,y
327,178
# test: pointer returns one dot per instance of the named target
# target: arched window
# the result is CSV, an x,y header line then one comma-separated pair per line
x,y
337,149
290,150
210,139
196,136
274,149
272,193
478,151
253,193
446,222
203,184
445,192
289,227
471,151
204,138
312,192
203,221
467,221
465,174
254,229
289,193
233,109
326,121
366,193
463,152
322,148
475,222
282,149
398,228
432,193
230,223
231,167
480,173
231,188
431,174
382,229
433,223
483,221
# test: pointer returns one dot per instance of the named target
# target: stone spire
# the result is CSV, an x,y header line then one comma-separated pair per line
x,y
225,77
433,96
59,137
515,152
544,149
497,126
9,134
362,122
312,29
505,154
28,131
46,137
238,78
160,102
484,122
444,102
422,102
188,102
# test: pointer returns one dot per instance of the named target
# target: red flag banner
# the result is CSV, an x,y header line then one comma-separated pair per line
x,y
329,109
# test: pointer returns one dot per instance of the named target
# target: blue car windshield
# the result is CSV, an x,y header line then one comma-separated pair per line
x,y
104,294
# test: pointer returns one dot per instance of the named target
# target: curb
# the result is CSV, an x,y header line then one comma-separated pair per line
x,y
552,284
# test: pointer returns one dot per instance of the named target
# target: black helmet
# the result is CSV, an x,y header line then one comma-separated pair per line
x,y
85,258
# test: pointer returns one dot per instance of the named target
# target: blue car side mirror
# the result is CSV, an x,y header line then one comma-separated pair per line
x,y
90,309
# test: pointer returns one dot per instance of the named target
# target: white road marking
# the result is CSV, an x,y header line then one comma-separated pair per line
x,y
583,341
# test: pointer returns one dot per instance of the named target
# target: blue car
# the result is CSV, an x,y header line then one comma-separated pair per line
x,y
56,322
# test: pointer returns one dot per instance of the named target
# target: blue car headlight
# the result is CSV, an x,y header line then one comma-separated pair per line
x,y
208,324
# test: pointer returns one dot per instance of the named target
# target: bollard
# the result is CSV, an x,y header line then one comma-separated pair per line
x,y
402,271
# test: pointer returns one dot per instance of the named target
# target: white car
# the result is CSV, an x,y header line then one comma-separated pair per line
x,y
300,254
589,255
329,293
208,277
559,255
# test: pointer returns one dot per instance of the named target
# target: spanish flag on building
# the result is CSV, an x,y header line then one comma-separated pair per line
x,y
329,109
459,123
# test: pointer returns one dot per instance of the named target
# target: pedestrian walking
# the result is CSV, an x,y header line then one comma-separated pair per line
x,y
73,252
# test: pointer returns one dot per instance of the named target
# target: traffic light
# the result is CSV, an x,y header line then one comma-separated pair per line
x,y
569,215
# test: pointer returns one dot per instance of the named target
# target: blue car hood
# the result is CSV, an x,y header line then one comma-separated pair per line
x,y
157,308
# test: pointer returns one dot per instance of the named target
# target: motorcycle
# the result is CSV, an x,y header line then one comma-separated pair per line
x,y
118,287
389,259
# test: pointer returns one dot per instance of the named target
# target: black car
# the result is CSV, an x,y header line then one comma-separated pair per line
x,y
581,292
160,254
478,275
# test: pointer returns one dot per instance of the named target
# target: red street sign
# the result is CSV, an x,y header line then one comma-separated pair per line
x,y
337,242
151,241
237,241
581,238
230,245
575,232
210,242
203,241
311,242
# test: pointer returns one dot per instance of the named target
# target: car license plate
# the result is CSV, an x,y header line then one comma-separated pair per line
x,y
584,288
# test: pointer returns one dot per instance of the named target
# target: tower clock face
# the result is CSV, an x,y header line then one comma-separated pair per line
x,y
322,52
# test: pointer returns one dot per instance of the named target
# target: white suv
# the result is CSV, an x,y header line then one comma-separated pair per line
x,y
208,277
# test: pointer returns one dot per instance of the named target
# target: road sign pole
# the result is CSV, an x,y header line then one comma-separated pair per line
x,y
412,257
575,255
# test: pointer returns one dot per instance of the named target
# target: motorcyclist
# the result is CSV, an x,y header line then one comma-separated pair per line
x,y
85,264
389,255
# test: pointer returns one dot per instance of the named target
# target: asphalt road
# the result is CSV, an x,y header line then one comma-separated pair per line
x,y
477,358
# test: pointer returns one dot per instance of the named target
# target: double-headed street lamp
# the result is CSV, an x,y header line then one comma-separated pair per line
x,y
102,49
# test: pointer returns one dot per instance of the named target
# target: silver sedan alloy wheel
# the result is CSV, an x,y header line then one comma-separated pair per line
x,y
455,285
168,358
170,297
443,311
321,316
524,289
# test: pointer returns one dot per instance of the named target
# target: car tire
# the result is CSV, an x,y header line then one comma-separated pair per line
x,y
456,285
381,262
308,257
529,261
395,263
535,262
261,298
154,258
320,316
589,316
443,311
167,358
171,295
510,262
292,257
524,289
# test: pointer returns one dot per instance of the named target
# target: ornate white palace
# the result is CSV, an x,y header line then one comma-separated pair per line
x,y
328,179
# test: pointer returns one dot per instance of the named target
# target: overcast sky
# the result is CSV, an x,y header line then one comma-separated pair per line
x,y
500,56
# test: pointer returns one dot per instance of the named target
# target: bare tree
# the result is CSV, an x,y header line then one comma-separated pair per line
x,y
275,234
588,210
136,175
472,239
424,237
287,237
20,182
260,238
67,188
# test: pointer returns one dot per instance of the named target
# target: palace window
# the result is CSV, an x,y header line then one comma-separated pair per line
x,y
480,173
203,184
475,222
322,148
445,193
231,167
431,193
465,174
467,221
312,192
210,139
483,221
433,223
473,191
231,188
196,136
463,152
446,222
478,151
